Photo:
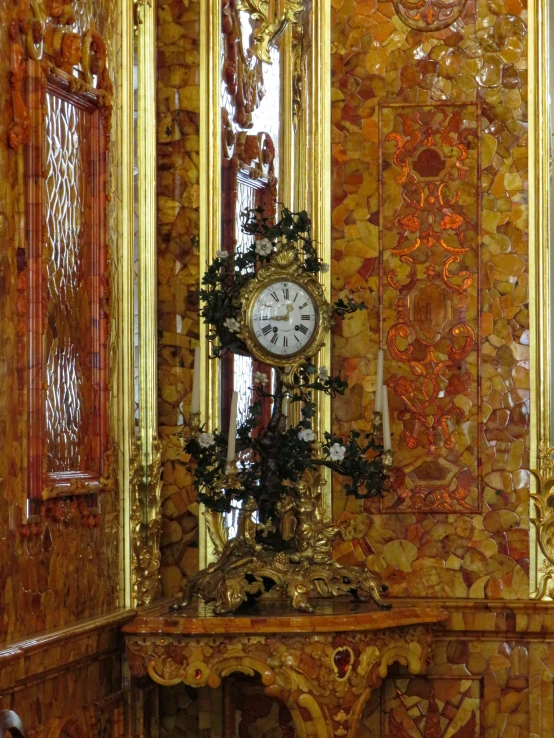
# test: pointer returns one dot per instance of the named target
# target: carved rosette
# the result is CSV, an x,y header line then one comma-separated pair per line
x,y
331,677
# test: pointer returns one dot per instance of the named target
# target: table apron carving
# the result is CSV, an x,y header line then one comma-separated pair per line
x,y
323,678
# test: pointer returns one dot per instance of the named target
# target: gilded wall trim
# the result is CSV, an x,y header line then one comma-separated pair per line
x,y
121,241
210,214
542,441
315,138
146,524
145,472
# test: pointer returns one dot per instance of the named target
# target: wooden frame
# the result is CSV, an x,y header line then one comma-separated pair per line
x,y
43,481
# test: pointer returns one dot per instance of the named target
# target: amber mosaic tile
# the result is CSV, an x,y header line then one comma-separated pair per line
x,y
64,565
473,540
178,121
431,707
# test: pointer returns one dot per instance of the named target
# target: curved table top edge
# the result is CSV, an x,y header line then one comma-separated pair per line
x,y
168,623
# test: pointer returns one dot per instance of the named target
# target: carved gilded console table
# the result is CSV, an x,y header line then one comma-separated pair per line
x,y
323,666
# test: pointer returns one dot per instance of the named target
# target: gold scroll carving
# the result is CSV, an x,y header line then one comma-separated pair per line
x,y
542,499
324,683
273,19
146,526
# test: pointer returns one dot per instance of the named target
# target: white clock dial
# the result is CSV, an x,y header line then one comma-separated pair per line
x,y
284,318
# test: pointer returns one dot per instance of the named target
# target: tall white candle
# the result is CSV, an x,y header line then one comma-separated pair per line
x,y
379,382
195,404
386,419
232,428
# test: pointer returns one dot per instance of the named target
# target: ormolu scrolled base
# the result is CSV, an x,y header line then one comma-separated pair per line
x,y
244,573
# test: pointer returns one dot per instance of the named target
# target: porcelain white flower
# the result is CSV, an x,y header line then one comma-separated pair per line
x,y
261,378
324,268
206,440
222,254
232,324
323,374
306,434
264,247
337,452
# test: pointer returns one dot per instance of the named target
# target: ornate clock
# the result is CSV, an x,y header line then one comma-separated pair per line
x,y
284,313
269,304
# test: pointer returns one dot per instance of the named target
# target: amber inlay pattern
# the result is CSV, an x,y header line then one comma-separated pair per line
x,y
429,230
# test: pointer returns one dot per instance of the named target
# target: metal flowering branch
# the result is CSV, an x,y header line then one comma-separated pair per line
x,y
358,457
229,273
284,539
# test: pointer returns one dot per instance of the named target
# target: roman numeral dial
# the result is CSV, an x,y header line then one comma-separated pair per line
x,y
284,318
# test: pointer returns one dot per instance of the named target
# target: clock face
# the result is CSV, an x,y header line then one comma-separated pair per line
x,y
284,318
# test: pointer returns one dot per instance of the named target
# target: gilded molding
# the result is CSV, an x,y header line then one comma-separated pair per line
x,y
145,464
123,405
542,499
146,524
540,311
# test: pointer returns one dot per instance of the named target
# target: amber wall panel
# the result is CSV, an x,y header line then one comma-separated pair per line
x,y
64,566
430,242
69,686
178,117
463,531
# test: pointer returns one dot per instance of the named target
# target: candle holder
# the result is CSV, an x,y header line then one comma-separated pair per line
x,y
284,541
377,423
247,568
191,429
230,479
386,459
